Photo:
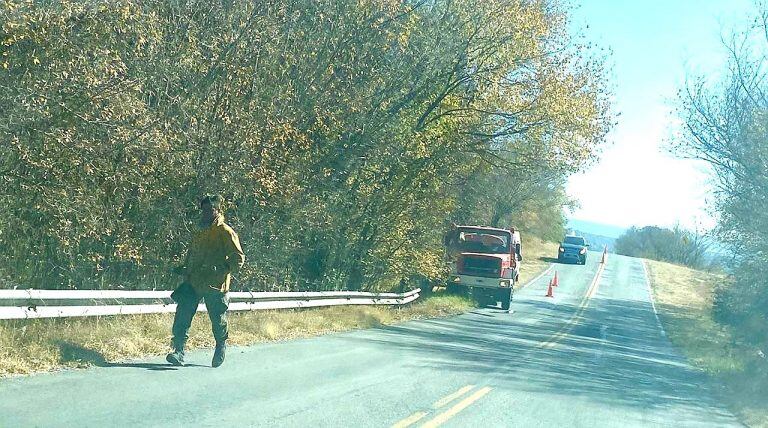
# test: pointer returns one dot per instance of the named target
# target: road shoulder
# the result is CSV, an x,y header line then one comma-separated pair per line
x,y
684,298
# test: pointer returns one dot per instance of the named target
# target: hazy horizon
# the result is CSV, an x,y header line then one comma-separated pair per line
x,y
635,181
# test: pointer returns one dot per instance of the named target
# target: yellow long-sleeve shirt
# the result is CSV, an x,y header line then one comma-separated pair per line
x,y
213,255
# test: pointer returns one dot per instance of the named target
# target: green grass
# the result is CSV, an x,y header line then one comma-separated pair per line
x,y
684,299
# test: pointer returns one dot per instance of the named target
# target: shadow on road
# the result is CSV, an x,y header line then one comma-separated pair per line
x,y
614,354
148,366
482,314
555,260
71,352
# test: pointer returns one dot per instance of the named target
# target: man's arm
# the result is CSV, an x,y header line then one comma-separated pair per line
x,y
235,258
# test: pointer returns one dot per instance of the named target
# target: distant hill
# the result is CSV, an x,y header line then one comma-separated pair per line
x,y
599,229
596,242
597,235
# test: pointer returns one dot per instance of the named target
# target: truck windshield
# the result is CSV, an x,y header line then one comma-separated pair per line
x,y
574,240
483,241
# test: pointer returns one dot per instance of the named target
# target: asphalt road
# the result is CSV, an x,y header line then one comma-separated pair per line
x,y
594,355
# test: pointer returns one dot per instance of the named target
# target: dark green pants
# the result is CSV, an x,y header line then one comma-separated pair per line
x,y
187,300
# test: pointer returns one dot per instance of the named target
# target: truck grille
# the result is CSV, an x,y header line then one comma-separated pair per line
x,y
489,267
572,251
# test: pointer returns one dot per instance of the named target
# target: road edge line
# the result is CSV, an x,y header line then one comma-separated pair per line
x,y
650,297
537,277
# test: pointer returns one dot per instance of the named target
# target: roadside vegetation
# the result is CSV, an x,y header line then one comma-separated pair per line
x,y
685,299
720,321
725,126
345,134
676,245
29,346
48,344
538,256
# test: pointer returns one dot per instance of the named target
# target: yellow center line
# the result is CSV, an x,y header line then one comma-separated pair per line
x,y
410,420
596,284
453,411
463,404
563,332
448,398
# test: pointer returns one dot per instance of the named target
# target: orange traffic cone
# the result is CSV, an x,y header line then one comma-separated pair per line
x,y
549,290
555,281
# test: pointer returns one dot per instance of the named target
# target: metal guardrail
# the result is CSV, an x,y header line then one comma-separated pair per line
x,y
34,305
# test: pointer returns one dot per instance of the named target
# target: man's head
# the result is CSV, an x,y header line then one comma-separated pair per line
x,y
211,207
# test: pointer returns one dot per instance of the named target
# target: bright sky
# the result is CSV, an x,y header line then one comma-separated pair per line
x,y
655,44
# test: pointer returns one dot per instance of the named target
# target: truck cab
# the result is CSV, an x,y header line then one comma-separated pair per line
x,y
484,263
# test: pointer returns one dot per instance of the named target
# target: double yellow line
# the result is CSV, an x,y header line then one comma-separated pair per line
x,y
447,414
566,329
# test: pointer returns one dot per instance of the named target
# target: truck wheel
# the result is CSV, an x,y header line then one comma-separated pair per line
x,y
506,299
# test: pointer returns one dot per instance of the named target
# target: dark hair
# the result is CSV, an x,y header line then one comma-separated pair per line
x,y
214,200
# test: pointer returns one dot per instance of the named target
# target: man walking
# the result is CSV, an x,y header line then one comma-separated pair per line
x,y
213,255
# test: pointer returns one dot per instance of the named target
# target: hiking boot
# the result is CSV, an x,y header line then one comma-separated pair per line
x,y
176,358
218,354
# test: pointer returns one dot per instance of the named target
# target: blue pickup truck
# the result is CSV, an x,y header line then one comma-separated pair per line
x,y
573,248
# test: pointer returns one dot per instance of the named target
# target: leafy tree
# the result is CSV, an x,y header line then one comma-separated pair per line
x,y
726,126
344,133
670,245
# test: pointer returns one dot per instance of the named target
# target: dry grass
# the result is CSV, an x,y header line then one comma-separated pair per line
x,y
44,345
30,346
537,256
684,300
